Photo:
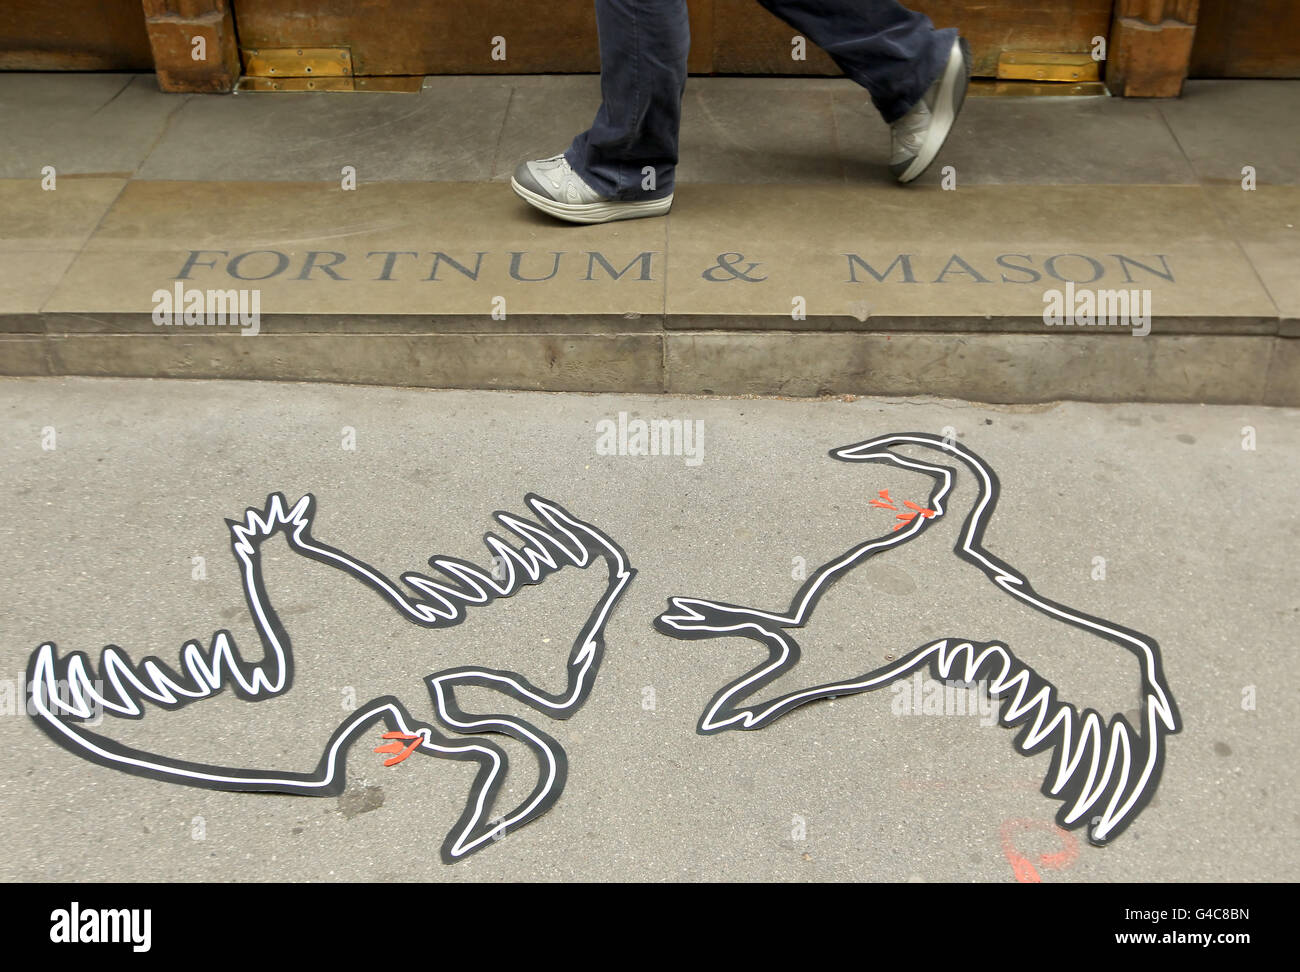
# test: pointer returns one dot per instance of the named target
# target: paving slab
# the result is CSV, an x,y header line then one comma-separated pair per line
x,y
1026,141
878,256
44,228
1165,519
736,132
1006,368
1265,222
447,131
428,249
1226,125
983,255
102,124
546,362
545,113
1283,372
24,354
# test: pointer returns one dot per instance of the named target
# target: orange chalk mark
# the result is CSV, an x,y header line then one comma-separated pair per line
x,y
888,503
396,747
1021,866
906,518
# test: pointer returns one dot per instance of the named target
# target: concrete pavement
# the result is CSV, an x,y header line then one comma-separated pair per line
x,y
1178,521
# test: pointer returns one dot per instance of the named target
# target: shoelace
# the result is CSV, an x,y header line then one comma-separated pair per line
x,y
564,179
909,130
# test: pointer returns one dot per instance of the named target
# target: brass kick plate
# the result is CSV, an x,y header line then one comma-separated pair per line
x,y
297,62
401,84
1047,66
985,88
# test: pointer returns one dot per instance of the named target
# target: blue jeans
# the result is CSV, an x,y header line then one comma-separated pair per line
x,y
893,52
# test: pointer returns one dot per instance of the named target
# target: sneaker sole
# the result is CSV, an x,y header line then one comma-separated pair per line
x,y
952,95
597,212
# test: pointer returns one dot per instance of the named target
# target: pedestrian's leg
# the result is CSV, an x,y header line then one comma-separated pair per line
x,y
643,47
893,52
917,76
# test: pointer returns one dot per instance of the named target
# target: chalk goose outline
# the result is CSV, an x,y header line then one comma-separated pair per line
x,y
1076,776
207,671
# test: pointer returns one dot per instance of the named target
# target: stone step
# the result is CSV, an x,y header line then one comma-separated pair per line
x,y
743,289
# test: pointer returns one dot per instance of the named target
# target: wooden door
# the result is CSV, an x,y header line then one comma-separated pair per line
x,y
73,35
1247,39
728,36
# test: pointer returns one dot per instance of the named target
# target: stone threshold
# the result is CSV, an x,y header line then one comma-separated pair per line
x,y
1001,368
61,323
765,289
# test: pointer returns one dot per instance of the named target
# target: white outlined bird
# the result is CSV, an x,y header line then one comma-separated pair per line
x,y
66,691
1103,773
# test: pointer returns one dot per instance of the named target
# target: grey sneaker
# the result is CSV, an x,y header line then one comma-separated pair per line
x,y
919,135
553,187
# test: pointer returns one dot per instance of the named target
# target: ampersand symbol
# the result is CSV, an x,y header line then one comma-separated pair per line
x,y
729,265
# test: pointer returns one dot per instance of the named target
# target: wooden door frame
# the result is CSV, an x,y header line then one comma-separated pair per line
x,y
194,46
1149,49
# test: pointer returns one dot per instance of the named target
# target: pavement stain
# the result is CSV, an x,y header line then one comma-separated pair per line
x,y
890,580
357,800
227,613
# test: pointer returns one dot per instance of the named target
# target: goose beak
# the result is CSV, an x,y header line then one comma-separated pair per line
x,y
860,452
